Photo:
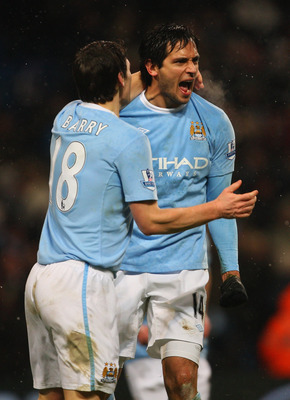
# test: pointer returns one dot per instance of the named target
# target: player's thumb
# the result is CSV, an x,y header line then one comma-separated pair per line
x,y
235,186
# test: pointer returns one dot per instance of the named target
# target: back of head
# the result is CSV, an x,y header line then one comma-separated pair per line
x,y
159,42
95,70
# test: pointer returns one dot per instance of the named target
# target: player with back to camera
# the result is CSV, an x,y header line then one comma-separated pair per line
x,y
100,178
193,149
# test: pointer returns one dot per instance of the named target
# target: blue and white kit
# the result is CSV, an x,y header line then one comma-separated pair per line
x,y
193,149
98,165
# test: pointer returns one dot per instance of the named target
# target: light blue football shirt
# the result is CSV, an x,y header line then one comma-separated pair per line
x,y
98,165
191,146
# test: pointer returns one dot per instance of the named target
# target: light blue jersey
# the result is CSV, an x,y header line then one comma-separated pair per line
x,y
193,148
98,165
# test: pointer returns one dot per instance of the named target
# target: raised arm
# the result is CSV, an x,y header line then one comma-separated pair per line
x,y
153,220
137,85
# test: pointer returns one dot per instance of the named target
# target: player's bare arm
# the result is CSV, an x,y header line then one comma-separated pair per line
x,y
153,220
137,85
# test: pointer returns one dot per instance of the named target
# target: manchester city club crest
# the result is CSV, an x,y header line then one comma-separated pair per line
x,y
110,373
197,131
148,179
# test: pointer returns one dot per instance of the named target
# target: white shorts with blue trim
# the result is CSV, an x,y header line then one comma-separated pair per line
x,y
70,312
175,307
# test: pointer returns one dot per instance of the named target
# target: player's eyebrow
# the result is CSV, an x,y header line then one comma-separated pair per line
x,y
185,59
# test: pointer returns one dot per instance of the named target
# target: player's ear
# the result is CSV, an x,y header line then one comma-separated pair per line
x,y
152,69
121,79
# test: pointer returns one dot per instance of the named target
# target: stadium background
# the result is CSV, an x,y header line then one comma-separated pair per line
x,y
244,47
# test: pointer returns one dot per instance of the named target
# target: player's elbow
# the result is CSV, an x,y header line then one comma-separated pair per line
x,y
147,228
152,228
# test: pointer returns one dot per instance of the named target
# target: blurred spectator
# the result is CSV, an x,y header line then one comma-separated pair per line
x,y
274,342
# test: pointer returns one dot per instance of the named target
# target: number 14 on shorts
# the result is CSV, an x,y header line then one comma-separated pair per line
x,y
198,305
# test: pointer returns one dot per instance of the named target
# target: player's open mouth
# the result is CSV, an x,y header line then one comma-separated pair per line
x,y
186,87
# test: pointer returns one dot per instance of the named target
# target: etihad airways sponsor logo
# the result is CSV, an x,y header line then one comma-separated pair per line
x,y
162,163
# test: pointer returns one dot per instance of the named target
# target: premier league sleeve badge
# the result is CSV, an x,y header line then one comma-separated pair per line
x,y
148,179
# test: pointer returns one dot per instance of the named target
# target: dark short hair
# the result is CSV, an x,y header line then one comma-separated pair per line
x,y
95,70
154,45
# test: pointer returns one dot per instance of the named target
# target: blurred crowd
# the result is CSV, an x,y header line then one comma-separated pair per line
x,y
244,48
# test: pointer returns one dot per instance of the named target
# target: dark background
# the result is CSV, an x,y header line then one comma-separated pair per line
x,y
244,48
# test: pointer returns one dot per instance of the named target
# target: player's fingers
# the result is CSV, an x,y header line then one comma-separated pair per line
x,y
243,215
235,186
254,193
248,196
245,205
249,202
198,84
244,211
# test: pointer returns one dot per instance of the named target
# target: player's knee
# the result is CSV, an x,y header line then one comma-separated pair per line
x,y
183,382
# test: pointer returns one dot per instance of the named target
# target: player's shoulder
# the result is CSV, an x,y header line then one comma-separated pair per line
x,y
76,111
207,108
132,106
131,131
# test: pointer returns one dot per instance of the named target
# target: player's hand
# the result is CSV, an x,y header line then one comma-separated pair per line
x,y
233,292
198,83
232,205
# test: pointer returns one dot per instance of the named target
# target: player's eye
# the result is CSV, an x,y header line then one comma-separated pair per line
x,y
181,61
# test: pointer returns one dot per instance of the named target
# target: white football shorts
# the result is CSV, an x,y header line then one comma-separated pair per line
x,y
71,320
175,308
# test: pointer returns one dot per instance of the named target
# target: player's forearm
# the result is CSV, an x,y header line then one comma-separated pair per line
x,y
225,237
171,220
180,219
152,220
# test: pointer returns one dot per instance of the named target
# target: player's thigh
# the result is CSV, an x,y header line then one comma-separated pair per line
x,y
131,304
78,305
78,395
176,310
42,351
51,394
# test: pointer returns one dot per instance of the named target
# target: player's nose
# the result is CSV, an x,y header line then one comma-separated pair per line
x,y
191,68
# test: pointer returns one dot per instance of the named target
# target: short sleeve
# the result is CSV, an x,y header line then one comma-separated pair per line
x,y
135,168
224,148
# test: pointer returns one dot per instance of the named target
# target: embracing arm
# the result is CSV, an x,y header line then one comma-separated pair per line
x,y
153,220
137,85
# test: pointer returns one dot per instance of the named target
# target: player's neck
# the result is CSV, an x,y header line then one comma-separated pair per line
x,y
154,96
157,98
113,105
